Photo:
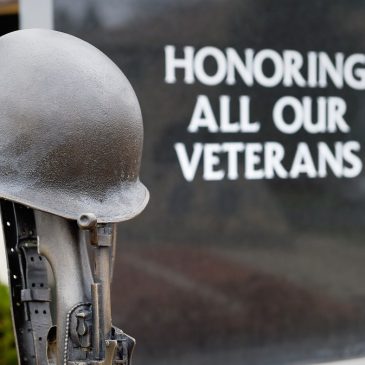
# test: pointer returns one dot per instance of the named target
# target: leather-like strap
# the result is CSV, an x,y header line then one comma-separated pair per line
x,y
28,280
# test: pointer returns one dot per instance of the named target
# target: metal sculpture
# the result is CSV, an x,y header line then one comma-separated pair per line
x,y
71,137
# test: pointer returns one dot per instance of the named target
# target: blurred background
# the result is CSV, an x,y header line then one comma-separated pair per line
x,y
230,272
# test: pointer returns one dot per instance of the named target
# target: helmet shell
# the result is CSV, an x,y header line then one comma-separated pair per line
x,y
71,130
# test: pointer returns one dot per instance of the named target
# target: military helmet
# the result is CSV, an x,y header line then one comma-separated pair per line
x,y
71,129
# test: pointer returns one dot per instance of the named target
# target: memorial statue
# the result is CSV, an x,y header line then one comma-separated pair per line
x,y
71,138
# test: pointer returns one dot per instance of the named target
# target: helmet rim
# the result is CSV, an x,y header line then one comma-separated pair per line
x,y
118,206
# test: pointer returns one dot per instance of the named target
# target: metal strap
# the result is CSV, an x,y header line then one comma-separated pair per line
x,y
36,295
28,279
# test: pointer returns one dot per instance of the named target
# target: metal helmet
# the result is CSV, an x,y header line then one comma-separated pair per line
x,y
71,129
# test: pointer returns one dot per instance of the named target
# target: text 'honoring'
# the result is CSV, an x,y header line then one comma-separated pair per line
x,y
290,115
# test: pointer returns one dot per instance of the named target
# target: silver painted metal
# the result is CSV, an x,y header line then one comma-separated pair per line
x,y
71,138
71,129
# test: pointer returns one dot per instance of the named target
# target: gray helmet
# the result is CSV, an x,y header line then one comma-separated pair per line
x,y
71,129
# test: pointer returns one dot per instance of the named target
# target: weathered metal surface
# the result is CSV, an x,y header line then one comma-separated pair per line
x,y
70,146
71,130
